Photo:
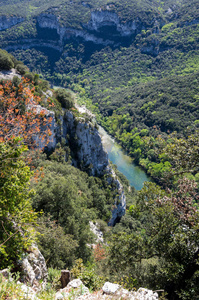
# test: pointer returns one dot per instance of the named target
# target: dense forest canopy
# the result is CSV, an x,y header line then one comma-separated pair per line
x,y
135,64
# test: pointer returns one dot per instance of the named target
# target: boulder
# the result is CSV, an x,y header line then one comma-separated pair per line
x,y
74,289
110,288
145,294
34,267
27,292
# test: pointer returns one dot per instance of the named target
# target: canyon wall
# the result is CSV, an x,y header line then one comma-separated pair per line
x,y
88,153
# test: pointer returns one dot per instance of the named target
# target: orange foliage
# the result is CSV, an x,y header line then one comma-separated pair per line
x,y
99,252
20,114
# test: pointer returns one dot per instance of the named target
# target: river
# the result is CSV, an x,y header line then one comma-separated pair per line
x,y
117,156
125,165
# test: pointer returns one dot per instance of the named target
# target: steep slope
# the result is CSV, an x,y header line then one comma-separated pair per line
x,y
138,60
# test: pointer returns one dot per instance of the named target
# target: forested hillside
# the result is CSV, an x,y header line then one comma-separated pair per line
x,y
138,59
135,64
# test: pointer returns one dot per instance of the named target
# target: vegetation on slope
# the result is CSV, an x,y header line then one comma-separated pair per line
x,y
141,93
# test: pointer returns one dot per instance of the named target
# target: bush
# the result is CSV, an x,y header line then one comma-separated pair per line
x,y
21,69
6,62
65,98
54,278
57,247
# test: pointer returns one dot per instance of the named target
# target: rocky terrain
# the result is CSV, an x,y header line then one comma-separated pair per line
x,y
76,290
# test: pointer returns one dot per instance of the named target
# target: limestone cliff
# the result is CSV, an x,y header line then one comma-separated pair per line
x,y
50,21
87,153
105,28
119,208
91,30
86,144
102,18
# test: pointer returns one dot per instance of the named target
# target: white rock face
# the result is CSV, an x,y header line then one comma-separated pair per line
x,y
102,18
88,152
75,289
34,267
98,233
145,294
7,22
50,21
50,124
110,288
87,144
120,203
9,74
99,18
27,292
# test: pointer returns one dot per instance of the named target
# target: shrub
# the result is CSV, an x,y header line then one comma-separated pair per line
x,y
21,69
6,62
65,98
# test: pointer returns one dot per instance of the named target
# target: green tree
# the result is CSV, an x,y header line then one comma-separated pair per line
x,y
6,62
57,247
167,232
16,214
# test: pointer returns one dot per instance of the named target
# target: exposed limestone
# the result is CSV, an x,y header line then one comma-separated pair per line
x,y
50,21
119,209
34,267
51,124
78,291
90,31
87,146
98,233
27,292
9,21
145,294
89,155
99,19
74,289
8,75
102,18
87,149
110,288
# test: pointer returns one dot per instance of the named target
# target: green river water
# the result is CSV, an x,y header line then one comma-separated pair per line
x,y
117,156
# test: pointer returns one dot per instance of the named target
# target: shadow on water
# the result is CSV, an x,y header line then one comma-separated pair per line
x,y
125,165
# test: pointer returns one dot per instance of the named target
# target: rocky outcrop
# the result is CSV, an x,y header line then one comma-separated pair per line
x,y
97,232
8,75
90,31
8,21
119,208
75,289
115,290
50,21
86,144
87,152
40,140
109,291
34,267
95,30
102,18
